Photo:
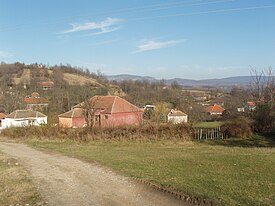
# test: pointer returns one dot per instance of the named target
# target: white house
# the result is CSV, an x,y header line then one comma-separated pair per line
x,y
22,118
2,120
177,116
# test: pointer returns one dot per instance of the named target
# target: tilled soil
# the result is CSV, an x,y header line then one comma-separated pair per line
x,y
68,181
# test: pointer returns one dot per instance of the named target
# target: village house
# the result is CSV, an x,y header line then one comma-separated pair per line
x,y
215,110
46,85
177,117
35,102
2,120
107,111
22,118
251,106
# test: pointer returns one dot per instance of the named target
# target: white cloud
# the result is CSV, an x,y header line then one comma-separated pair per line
x,y
147,45
105,26
4,54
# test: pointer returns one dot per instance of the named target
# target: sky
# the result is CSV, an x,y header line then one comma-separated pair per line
x,y
194,39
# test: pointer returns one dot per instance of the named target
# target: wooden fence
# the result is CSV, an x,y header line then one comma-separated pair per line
x,y
209,133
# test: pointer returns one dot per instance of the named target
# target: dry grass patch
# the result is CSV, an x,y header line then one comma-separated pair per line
x,y
16,187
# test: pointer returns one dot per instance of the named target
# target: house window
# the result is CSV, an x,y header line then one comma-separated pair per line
x,y
30,122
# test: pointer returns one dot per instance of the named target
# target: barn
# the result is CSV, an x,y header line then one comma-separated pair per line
x,y
107,111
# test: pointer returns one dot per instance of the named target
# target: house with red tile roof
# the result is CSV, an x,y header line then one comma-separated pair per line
x,y
215,110
177,116
107,111
46,85
35,102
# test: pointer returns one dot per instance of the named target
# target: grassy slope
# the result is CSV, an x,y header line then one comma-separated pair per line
x,y
230,175
15,186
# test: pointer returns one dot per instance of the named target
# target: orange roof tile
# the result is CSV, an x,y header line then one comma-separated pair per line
x,y
75,112
2,116
31,100
111,104
215,109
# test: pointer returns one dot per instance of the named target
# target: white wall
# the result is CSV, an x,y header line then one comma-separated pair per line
x,y
9,122
177,119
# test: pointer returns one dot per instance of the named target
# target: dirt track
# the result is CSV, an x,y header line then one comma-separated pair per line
x,y
68,181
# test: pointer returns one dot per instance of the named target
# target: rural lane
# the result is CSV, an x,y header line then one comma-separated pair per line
x,y
68,181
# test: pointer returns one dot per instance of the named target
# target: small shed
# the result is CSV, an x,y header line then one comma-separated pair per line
x,y
22,118
177,116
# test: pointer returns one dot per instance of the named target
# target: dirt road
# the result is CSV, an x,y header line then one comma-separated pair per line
x,y
68,181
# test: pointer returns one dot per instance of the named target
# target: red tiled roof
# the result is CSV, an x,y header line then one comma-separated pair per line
x,y
215,109
251,104
111,104
45,83
31,100
2,116
24,114
75,112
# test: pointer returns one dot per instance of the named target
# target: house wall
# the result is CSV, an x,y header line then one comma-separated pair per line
x,y
2,124
78,122
75,122
177,119
65,122
22,122
121,119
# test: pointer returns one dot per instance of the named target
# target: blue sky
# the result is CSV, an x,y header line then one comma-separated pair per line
x,y
195,39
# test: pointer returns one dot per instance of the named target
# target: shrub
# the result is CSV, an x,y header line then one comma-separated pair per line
x,y
239,126
144,132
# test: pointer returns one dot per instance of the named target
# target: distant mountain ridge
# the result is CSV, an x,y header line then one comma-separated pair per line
x,y
228,81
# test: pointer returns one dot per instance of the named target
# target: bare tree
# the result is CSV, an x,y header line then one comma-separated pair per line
x,y
263,84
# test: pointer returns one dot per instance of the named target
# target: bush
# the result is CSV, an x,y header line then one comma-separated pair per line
x,y
144,132
238,127
264,118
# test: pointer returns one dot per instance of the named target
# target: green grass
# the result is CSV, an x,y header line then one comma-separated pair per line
x,y
227,174
16,187
208,124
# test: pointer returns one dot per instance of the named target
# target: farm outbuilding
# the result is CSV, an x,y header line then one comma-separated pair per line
x,y
107,111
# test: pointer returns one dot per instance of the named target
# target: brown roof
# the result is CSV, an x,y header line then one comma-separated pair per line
x,y
24,114
111,104
176,113
75,112
215,108
32,100
2,116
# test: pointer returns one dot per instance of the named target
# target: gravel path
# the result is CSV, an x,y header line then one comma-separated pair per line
x,y
68,181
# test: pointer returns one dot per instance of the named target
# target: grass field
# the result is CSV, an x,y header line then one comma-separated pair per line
x,y
16,187
228,174
208,124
